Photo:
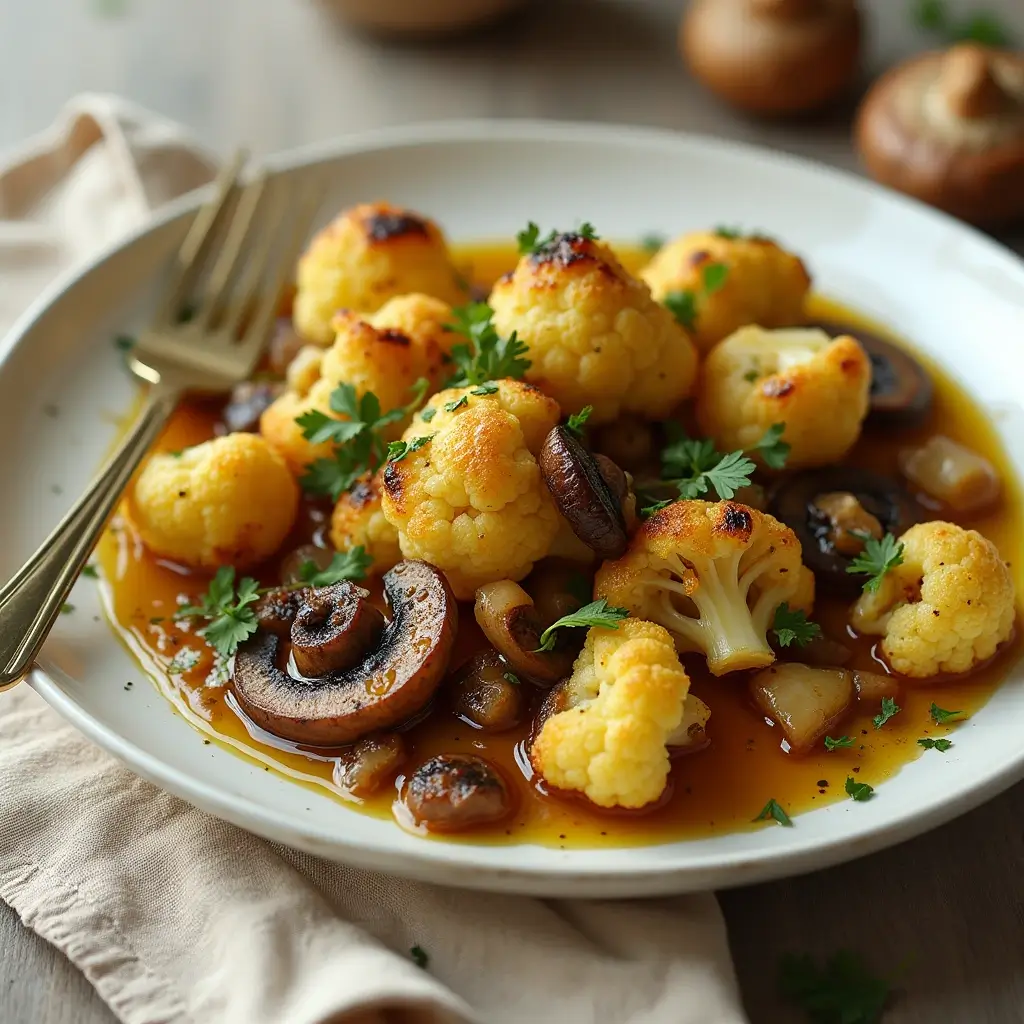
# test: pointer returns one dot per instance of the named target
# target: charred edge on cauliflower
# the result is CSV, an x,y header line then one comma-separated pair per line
x,y
383,227
363,492
394,337
566,249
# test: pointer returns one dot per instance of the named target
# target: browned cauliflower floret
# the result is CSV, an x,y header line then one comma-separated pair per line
x,y
817,386
386,353
471,501
946,608
762,283
713,574
366,256
623,705
595,336
358,520
229,501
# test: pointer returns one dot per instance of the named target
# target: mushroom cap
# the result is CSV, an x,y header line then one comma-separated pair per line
x,y
948,128
773,56
395,680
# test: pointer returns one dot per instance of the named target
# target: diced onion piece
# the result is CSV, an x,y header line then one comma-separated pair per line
x,y
691,730
873,686
957,476
804,702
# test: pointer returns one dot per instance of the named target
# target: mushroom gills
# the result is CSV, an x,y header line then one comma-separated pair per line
x,y
395,679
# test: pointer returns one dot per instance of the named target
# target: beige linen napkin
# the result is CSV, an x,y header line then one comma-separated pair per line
x,y
177,918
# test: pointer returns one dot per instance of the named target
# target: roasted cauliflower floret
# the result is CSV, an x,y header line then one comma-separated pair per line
x,y
359,520
817,386
229,501
713,574
367,255
471,500
625,702
946,608
595,336
762,284
386,353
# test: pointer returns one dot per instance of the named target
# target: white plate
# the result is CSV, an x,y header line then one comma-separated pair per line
x,y
959,295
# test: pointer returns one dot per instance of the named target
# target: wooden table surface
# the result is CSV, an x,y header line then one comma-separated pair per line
x,y
944,912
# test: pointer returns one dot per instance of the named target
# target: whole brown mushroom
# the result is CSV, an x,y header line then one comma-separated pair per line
x,y
773,57
948,128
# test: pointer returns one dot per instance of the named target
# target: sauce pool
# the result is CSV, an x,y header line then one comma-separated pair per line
x,y
720,788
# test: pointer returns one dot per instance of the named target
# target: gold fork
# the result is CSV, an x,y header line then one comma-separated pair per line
x,y
208,334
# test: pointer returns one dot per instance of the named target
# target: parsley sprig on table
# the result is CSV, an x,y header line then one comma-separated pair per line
x,y
488,357
684,303
842,991
358,442
227,607
597,613
791,625
530,240
877,558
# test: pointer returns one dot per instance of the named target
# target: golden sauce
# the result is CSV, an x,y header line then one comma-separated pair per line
x,y
721,788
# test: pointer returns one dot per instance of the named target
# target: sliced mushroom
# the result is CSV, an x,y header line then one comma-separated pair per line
x,y
371,764
850,523
455,792
487,694
395,679
880,496
275,612
588,504
248,401
902,391
333,629
506,614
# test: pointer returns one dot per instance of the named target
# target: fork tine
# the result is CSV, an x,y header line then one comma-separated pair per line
x,y
228,259
296,233
197,241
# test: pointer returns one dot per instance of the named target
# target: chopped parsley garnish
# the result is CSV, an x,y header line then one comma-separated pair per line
x,y
428,414
420,957
511,677
489,388
578,420
456,403
877,558
773,811
684,303
185,660
227,609
730,234
839,744
983,27
860,791
66,608
649,510
597,613
652,242
929,744
791,625
397,450
694,466
344,565
842,991
90,572
940,716
487,357
358,442
772,448
889,709
530,241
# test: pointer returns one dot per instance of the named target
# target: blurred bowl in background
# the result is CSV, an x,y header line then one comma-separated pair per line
x,y
421,17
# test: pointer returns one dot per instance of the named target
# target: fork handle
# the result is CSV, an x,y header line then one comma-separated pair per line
x,y
32,600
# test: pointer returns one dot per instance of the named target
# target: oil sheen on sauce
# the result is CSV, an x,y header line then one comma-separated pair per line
x,y
721,788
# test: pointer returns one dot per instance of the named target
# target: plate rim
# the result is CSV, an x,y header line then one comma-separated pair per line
x,y
432,858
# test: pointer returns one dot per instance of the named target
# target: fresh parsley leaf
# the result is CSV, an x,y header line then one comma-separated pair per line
x,y
682,304
490,388
597,613
318,428
791,625
843,991
732,473
652,242
731,234
772,448
90,572
337,474
889,709
397,450
929,744
527,238
839,744
511,677
649,510
487,357
984,27
940,716
578,420
456,403
860,791
930,15
66,608
877,558
773,811
530,241
428,414
714,277
228,611
694,466
420,957
345,565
